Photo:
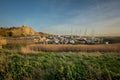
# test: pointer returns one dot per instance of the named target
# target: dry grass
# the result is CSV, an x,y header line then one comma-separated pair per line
x,y
17,44
26,50
74,48
2,42
14,42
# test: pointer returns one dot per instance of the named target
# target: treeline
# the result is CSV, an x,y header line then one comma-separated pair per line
x,y
112,39
6,33
9,28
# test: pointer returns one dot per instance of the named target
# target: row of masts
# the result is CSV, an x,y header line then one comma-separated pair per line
x,y
80,32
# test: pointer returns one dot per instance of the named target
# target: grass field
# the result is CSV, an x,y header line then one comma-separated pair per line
x,y
59,65
23,60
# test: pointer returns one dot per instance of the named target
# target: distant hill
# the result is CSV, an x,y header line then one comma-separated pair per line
x,y
18,31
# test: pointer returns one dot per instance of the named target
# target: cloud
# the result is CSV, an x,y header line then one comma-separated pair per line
x,y
104,19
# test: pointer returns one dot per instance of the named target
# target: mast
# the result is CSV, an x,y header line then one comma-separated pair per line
x,y
92,34
71,32
80,33
85,33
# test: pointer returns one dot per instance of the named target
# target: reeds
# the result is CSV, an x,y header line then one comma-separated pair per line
x,y
17,44
75,48
20,42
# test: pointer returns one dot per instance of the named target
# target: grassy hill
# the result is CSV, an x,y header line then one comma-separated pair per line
x,y
19,31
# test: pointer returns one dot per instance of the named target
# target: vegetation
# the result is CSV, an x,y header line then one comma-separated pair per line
x,y
2,42
10,34
16,44
112,39
75,48
23,60
59,66
20,31
16,31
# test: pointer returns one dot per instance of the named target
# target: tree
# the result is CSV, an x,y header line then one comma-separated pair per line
x,y
10,34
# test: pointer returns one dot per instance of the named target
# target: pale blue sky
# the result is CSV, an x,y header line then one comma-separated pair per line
x,y
60,16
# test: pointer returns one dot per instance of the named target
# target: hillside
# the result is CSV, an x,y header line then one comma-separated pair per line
x,y
19,31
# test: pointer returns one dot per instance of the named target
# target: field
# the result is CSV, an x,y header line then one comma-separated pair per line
x,y
59,66
23,60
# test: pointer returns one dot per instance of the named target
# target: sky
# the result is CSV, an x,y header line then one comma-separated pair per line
x,y
80,17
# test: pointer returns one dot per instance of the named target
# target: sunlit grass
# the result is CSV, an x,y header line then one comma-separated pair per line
x,y
59,66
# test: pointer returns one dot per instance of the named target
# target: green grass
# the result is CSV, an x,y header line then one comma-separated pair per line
x,y
59,66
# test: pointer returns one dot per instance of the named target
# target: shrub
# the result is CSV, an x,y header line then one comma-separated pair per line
x,y
3,42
